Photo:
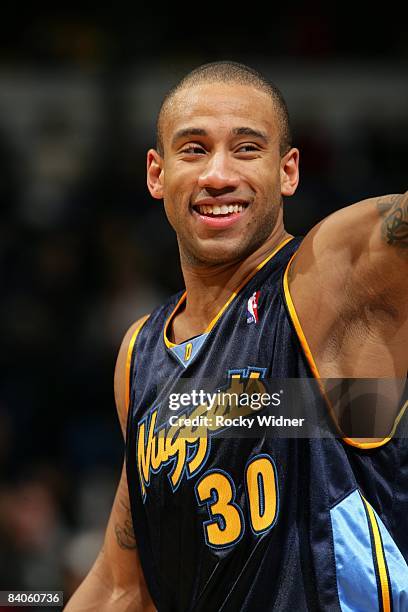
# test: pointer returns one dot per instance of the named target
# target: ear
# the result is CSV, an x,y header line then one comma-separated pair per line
x,y
155,174
289,172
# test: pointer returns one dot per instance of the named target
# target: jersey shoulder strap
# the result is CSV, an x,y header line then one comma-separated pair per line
x,y
130,359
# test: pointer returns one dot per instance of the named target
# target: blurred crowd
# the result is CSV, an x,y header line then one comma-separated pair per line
x,y
84,251
81,254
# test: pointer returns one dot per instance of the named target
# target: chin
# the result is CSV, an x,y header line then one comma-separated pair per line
x,y
221,253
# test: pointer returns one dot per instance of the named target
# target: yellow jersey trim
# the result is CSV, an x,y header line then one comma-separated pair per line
x,y
233,295
378,552
129,361
296,322
312,364
168,343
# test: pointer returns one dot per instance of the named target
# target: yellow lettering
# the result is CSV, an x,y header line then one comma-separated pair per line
x,y
144,452
189,348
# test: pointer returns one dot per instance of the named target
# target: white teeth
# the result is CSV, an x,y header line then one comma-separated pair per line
x,y
224,209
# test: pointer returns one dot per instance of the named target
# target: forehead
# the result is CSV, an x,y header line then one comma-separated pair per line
x,y
220,105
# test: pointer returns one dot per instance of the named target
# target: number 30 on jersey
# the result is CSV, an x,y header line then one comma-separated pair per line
x,y
216,490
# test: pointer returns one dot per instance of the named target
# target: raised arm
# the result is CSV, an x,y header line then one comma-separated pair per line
x,y
393,210
379,252
116,582
373,237
349,282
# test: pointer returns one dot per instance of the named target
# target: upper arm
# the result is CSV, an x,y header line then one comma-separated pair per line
x,y
390,243
119,556
366,243
118,563
376,231
116,580
119,551
383,249
349,280
120,542
393,210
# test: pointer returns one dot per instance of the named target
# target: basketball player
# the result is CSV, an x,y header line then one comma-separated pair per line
x,y
210,523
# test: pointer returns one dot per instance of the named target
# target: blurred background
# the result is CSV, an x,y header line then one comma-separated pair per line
x,y
83,246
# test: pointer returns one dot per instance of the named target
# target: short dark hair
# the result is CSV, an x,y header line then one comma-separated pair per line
x,y
230,72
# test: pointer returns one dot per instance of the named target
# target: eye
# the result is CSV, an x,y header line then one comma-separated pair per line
x,y
247,148
193,149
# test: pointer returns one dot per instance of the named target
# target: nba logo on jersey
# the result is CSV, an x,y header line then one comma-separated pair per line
x,y
253,308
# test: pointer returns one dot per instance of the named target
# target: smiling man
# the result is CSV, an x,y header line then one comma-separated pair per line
x,y
204,522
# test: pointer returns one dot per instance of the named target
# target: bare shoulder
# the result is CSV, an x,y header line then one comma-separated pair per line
x,y
348,285
367,240
347,230
121,378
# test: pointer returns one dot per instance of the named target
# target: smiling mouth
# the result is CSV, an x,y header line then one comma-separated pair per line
x,y
223,210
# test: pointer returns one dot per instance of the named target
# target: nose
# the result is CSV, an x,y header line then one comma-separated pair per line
x,y
218,173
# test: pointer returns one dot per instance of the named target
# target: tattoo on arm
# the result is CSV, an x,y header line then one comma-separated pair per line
x,y
394,227
125,536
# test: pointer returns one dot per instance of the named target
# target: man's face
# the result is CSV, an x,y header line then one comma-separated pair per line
x,y
221,174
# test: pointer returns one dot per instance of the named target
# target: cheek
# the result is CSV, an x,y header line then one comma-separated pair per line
x,y
176,203
178,190
267,194
265,178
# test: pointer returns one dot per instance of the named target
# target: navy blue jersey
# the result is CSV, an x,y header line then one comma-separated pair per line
x,y
257,523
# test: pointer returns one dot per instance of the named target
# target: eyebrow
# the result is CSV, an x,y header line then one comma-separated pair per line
x,y
247,131
189,131
239,131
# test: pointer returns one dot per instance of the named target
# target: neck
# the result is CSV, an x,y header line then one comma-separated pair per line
x,y
209,287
